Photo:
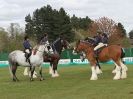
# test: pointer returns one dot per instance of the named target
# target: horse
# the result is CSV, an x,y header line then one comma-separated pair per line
x,y
58,46
17,58
111,52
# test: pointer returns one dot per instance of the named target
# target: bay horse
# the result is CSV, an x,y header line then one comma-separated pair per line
x,y
17,58
58,46
111,52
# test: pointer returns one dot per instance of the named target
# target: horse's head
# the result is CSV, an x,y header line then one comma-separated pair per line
x,y
44,48
65,44
82,46
48,48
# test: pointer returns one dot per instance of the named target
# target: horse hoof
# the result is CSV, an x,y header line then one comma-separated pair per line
x,y
93,78
34,76
116,78
41,79
31,80
14,80
55,76
114,71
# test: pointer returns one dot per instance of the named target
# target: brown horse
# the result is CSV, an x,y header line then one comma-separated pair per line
x,y
111,52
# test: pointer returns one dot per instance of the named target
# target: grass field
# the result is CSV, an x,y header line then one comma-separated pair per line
x,y
73,83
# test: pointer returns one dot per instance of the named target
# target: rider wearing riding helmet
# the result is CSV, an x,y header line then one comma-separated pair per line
x,y
44,39
27,48
101,40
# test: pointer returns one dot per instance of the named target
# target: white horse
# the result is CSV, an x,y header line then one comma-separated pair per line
x,y
17,58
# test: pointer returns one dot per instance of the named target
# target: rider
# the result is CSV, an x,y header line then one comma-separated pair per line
x,y
44,40
101,40
27,48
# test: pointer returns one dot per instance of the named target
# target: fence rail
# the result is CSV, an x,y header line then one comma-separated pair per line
x,y
67,54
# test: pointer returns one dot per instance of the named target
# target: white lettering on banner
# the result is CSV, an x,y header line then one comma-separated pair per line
x,y
64,61
76,61
128,59
80,62
4,62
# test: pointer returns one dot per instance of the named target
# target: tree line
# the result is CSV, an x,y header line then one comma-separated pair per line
x,y
56,22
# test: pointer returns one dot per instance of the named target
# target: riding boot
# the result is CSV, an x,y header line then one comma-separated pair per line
x,y
29,62
96,54
27,57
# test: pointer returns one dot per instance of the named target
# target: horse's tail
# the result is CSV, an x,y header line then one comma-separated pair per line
x,y
10,65
122,53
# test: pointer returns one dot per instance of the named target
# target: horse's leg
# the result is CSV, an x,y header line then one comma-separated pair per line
x,y
14,68
98,68
114,70
94,73
40,72
118,70
55,73
26,71
51,68
32,71
124,70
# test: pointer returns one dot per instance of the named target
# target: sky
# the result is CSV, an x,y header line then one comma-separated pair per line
x,y
14,11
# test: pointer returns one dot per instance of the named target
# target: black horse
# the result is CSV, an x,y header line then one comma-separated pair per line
x,y
58,45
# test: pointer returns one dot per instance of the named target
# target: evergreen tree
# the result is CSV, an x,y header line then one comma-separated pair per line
x,y
123,31
80,23
131,34
50,21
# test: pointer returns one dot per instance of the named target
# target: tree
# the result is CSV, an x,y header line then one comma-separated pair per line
x,y
131,34
14,29
4,39
50,21
114,31
122,30
80,23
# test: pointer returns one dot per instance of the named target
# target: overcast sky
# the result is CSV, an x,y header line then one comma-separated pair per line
x,y
118,10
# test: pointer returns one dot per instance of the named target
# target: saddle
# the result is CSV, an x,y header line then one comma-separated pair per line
x,y
99,50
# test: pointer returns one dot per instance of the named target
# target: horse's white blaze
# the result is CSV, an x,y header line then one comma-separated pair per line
x,y
118,72
94,74
124,70
73,52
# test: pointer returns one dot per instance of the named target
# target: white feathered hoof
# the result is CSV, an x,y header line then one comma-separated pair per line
x,y
124,75
114,71
93,78
117,77
99,71
34,76
55,75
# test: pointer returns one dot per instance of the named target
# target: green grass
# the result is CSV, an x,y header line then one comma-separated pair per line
x,y
73,83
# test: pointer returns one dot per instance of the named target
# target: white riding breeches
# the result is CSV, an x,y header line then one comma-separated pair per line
x,y
27,51
99,46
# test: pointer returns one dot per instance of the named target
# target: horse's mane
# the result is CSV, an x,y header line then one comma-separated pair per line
x,y
86,42
56,45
